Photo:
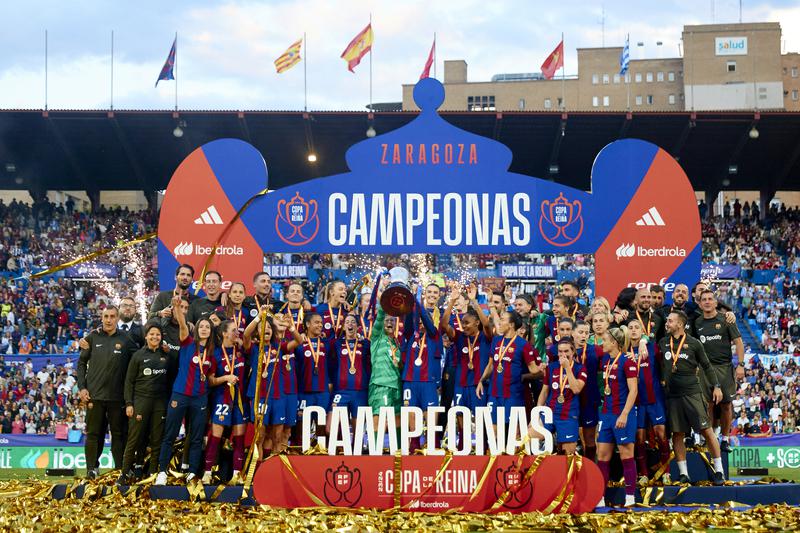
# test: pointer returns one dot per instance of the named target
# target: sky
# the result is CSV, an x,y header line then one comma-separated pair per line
x,y
226,49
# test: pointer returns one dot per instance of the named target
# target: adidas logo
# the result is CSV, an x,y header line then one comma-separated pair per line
x,y
183,248
210,216
651,218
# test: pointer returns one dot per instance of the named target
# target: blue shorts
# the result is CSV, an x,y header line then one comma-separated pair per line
x,y
314,399
564,430
609,434
277,411
223,414
420,394
352,399
590,414
651,414
495,402
466,397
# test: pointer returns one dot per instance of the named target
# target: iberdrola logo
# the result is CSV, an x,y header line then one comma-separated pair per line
x,y
297,221
35,458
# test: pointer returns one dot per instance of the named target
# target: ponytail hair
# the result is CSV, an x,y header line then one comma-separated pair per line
x,y
622,337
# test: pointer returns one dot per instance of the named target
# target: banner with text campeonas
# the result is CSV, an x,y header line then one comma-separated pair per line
x,y
429,187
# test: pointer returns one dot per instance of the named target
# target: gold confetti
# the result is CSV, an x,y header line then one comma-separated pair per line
x,y
27,506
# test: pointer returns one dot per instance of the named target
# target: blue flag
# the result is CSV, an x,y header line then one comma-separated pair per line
x,y
168,70
624,57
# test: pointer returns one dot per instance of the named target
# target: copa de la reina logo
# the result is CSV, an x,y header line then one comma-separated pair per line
x,y
297,221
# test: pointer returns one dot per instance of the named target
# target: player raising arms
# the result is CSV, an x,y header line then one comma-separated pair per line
x,y
189,392
470,350
512,355
349,366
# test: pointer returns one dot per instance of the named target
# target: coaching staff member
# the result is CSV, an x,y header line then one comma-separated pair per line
x,y
683,354
101,381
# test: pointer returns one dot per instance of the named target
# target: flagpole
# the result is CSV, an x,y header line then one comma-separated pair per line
x,y
112,70
626,77
45,70
563,74
305,74
371,52
175,70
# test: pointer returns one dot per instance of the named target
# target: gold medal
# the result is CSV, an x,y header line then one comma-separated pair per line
x,y
608,390
288,366
418,361
264,374
500,368
560,398
352,371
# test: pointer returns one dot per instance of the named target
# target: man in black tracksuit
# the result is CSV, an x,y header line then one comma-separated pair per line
x,y
146,392
101,377
162,304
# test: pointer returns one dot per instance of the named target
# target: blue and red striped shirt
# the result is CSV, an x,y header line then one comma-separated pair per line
x,y
192,364
347,354
235,364
589,356
467,348
422,358
554,376
273,359
618,373
332,320
514,355
312,365
650,390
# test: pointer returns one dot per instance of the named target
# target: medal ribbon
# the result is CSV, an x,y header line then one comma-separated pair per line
x,y
471,348
315,352
609,367
562,378
202,363
351,353
502,351
338,318
231,387
367,333
676,355
642,322
583,356
422,346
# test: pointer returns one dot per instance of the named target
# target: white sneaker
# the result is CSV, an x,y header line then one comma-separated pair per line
x,y
161,479
206,478
630,500
190,477
601,503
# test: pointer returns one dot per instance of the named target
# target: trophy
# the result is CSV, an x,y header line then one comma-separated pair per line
x,y
397,299
354,295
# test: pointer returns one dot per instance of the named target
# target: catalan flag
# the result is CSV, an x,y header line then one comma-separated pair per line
x,y
289,58
358,48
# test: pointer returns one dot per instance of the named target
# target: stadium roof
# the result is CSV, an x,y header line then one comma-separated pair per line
x,y
136,150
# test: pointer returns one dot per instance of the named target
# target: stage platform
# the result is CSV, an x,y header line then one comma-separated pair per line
x,y
675,496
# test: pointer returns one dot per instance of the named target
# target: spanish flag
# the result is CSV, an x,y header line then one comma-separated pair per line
x,y
289,58
358,48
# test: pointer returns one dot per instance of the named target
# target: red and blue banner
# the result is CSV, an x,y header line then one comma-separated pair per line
x,y
430,187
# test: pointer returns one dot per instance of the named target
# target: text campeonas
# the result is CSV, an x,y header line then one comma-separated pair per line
x,y
505,440
452,219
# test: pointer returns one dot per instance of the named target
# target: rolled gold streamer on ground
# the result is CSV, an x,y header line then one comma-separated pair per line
x,y
225,231
93,255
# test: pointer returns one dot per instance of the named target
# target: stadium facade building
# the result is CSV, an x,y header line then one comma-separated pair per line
x,y
725,67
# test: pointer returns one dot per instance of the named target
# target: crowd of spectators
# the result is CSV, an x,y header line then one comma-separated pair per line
x,y
766,401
